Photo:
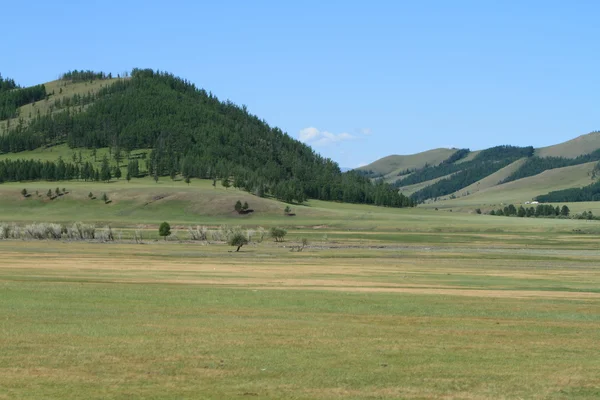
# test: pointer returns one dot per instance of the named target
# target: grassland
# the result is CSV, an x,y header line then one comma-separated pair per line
x,y
457,313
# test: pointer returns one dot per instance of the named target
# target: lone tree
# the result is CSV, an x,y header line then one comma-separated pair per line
x,y
278,234
287,210
164,230
91,195
238,206
24,193
564,211
187,180
245,206
105,198
49,194
238,239
225,183
57,191
128,177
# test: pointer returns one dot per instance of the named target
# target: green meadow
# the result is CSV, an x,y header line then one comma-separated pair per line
x,y
382,303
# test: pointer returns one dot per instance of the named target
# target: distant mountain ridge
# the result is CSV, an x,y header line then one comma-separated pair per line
x,y
444,174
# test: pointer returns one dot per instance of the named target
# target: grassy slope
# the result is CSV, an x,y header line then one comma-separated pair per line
x,y
522,190
68,90
393,164
583,144
491,180
410,189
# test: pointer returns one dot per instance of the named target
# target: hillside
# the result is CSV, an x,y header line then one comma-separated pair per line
x,y
393,165
583,144
184,131
477,171
522,190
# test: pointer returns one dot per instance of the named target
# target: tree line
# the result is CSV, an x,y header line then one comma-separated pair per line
x,y
35,170
11,100
541,210
586,193
191,132
84,76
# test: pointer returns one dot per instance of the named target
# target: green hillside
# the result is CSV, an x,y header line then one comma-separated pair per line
x,y
478,171
183,131
393,165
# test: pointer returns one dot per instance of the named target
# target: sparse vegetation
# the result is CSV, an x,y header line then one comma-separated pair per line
x,y
278,234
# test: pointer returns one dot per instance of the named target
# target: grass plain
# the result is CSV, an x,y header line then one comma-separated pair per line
x,y
383,303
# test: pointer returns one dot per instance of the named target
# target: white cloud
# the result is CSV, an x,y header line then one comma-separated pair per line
x,y
315,137
366,131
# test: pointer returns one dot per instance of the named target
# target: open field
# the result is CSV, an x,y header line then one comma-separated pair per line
x,y
382,319
383,303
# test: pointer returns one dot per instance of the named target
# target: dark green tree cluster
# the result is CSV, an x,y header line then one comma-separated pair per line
x,y
11,100
456,156
84,76
536,165
495,157
33,170
194,134
7,84
586,193
541,210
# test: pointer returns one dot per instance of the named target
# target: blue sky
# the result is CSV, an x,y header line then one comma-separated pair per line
x,y
356,80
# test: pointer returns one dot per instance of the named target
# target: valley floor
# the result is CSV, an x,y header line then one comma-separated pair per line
x,y
385,314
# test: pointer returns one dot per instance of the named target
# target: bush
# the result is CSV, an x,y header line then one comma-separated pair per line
x,y
238,239
164,230
278,234
198,233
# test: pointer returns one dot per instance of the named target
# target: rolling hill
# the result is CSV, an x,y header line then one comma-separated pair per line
x,y
155,124
488,176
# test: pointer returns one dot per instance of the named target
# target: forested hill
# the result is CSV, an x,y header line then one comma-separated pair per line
x,y
192,133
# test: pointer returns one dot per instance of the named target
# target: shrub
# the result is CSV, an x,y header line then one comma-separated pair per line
x,y
238,239
278,234
24,193
164,230
198,233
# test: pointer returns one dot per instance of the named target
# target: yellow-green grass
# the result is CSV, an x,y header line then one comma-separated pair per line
x,y
523,190
491,180
69,89
583,144
172,321
410,189
392,165
142,202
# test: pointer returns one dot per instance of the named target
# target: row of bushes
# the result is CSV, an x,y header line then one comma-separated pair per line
x,y
81,231
44,231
